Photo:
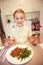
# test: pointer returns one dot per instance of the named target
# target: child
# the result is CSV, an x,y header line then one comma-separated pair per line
x,y
19,31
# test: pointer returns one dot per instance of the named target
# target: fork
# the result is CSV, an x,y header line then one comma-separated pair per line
x,y
3,53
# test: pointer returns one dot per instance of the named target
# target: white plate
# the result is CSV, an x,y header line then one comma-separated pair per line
x,y
1,47
15,60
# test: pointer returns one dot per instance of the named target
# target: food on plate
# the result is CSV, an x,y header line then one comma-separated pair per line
x,y
24,54
21,53
15,52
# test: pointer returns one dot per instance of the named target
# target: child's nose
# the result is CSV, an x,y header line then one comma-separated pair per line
x,y
19,20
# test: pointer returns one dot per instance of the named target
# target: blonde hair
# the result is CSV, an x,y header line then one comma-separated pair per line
x,y
18,11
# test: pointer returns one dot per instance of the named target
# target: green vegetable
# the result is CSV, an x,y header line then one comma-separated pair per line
x,y
24,53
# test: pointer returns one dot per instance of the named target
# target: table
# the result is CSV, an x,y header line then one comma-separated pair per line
x,y
37,58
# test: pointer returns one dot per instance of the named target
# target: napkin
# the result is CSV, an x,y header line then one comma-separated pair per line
x,y
41,45
1,47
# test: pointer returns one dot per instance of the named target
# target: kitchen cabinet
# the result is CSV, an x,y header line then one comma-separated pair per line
x,y
34,14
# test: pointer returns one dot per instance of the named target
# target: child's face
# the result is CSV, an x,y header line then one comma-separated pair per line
x,y
19,18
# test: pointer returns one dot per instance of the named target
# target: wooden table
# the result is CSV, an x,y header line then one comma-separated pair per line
x,y
37,58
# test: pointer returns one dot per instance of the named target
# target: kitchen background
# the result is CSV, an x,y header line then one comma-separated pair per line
x,y
33,10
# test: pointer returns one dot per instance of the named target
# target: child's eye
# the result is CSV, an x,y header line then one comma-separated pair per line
x,y
17,18
21,17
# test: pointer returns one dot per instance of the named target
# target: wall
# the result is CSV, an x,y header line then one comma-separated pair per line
x,y
26,5
41,22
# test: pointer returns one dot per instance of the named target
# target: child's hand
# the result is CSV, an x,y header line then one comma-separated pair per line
x,y
33,40
8,42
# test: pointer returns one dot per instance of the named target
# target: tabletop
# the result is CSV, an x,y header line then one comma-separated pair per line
x,y
37,58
